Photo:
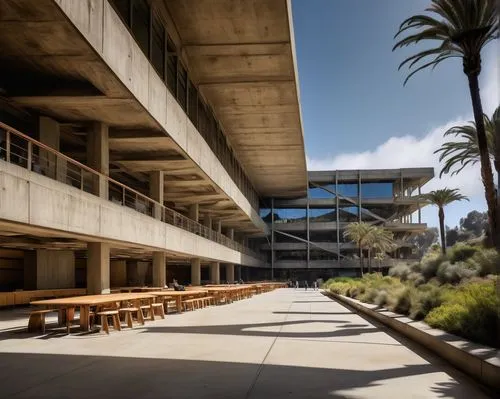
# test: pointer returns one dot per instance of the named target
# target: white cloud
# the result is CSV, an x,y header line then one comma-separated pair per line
x,y
409,151
490,79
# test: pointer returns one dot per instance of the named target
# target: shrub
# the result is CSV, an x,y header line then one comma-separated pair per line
x,y
429,266
461,252
381,298
402,302
469,311
423,300
401,270
484,261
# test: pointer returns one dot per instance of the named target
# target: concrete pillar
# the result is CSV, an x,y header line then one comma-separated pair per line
x,y
218,226
49,133
194,212
230,273
46,269
195,271
139,273
156,190
118,273
159,269
98,156
207,221
230,233
239,272
215,273
98,268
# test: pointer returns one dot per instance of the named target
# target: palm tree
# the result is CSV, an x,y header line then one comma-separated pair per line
x,y
465,151
359,232
463,29
441,198
382,241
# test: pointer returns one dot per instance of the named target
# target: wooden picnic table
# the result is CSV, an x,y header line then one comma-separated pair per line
x,y
140,289
66,306
179,295
230,292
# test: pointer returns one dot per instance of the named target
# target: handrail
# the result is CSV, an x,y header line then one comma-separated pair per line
x,y
59,171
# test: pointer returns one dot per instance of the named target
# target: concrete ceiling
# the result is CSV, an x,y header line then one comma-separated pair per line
x,y
241,55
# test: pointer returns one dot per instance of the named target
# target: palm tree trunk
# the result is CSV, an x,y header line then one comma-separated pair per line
x,y
369,262
441,230
486,172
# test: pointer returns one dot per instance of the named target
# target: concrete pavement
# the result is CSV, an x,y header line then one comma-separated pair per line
x,y
286,343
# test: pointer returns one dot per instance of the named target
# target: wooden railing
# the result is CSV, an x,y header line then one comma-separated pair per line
x,y
22,150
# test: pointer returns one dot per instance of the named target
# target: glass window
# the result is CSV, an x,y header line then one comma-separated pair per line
x,y
265,213
349,214
319,193
348,189
322,215
376,190
182,87
289,215
140,24
122,7
158,46
171,67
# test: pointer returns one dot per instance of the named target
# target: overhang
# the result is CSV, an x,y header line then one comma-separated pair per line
x,y
242,57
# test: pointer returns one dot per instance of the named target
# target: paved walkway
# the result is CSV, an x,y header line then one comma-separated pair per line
x,y
286,343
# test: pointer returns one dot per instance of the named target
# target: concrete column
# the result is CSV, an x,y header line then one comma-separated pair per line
x,y
215,273
230,273
195,271
207,221
98,268
239,272
49,133
230,233
49,269
156,190
98,156
218,226
159,269
139,273
194,212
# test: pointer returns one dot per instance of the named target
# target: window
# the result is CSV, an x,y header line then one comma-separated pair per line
x,y
140,24
376,190
122,7
182,86
158,46
171,67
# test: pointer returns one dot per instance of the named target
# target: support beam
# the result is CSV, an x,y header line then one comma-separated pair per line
x,y
156,190
215,273
159,269
218,226
207,221
195,271
194,212
98,156
98,268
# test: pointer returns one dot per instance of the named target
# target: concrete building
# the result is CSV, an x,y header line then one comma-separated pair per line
x,y
138,139
307,234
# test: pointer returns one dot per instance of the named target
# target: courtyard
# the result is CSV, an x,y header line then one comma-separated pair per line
x,y
284,343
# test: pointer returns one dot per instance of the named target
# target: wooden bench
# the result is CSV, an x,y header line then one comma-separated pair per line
x,y
189,303
128,313
169,304
157,309
36,321
208,300
104,320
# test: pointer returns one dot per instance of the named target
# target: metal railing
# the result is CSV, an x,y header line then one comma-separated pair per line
x,y
20,149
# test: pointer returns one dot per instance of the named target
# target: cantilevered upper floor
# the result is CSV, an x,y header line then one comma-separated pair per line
x,y
204,92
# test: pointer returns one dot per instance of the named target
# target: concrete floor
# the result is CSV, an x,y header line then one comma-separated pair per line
x,y
285,343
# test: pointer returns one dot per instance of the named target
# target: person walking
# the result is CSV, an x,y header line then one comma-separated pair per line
x,y
306,285
315,285
296,284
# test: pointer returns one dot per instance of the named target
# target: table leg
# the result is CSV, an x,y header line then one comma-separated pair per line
x,y
85,317
178,300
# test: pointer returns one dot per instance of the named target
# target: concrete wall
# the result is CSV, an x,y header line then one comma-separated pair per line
x,y
104,30
118,273
38,201
55,269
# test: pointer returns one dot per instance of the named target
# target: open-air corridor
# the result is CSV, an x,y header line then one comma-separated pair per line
x,y
286,343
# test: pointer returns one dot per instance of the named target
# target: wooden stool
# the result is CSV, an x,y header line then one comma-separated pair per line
x,y
157,308
127,312
169,304
36,321
189,303
104,320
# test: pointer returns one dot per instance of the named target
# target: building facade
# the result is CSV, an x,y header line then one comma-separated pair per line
x,y
139,140
307,234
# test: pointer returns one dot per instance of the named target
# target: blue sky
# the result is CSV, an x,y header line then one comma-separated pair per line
x,y
356,112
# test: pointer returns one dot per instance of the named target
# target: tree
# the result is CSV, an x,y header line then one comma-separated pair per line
x,y
451,236
359,232
380,241
441,198
424,240
463,29
475,222
457,154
